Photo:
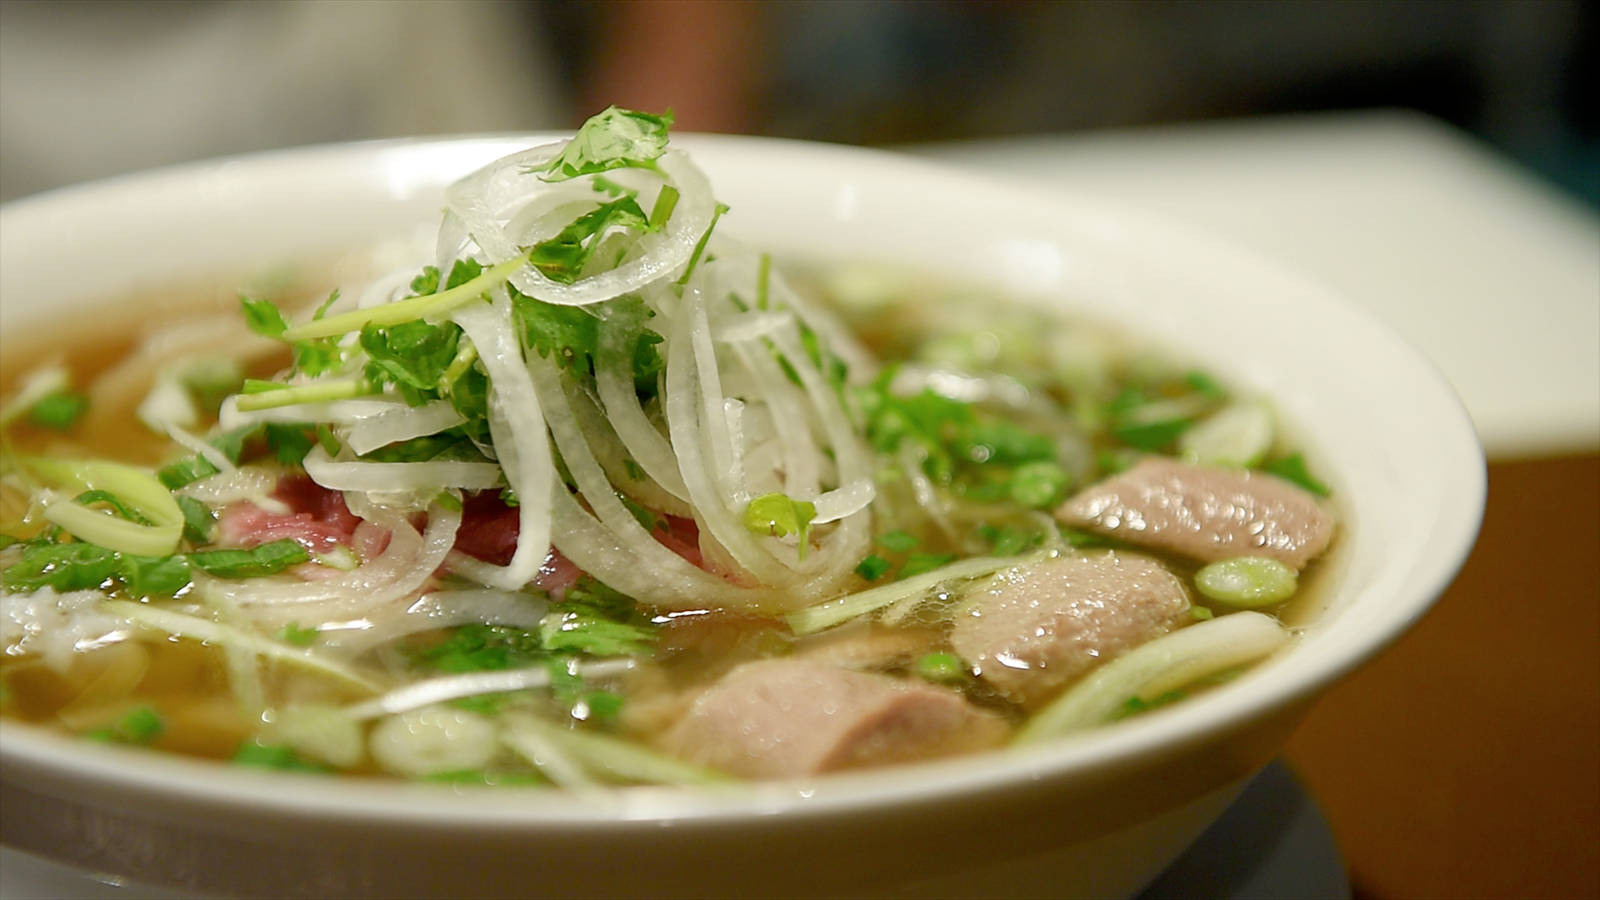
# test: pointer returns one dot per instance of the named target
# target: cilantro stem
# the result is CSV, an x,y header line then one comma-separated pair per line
x,y
466,355
700,246
411,308
666,202
763,277
315,392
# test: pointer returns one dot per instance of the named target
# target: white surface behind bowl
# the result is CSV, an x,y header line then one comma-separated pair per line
x,y
1113,808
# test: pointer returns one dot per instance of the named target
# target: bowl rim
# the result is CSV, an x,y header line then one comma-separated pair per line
x,y
36,753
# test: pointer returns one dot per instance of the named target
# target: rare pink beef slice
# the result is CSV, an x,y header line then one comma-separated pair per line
x,y
1204,513
1040,626
786,717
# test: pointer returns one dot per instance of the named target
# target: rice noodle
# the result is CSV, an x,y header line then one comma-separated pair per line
x,y
620,525
434,610
471,684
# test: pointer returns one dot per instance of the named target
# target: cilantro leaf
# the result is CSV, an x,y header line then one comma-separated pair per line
x,y
273,756
569,333
597,619
475,648
426,283
412,355
289,443
184,471
612,139
1009,541
583,633
563,257
778,515
263,317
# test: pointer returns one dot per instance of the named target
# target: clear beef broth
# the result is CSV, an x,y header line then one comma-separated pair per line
x,y
1026,376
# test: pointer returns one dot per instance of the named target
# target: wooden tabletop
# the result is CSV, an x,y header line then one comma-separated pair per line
x,y
1465,761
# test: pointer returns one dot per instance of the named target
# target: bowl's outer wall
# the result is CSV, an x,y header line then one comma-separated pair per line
x,y
1386,432
1101,837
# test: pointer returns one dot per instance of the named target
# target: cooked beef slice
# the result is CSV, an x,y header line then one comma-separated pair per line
x,y
1038,627
1204,513
788,717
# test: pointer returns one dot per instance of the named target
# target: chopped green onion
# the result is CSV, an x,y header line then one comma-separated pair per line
x,y
1247,581
59,411
1293,469
139,490
942,668
897,541
873,567
264,559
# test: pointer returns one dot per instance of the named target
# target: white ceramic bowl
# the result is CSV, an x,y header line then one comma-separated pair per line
x,y
1100,815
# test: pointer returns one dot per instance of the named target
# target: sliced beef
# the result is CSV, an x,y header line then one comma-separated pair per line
x,y
245,524
1204,513
1044,625
785,717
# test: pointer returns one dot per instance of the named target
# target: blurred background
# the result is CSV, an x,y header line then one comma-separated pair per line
x,y
1436,162
89,89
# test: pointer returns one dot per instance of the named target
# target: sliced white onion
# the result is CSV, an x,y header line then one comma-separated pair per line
x,y
750,326
370,477
663,253
402,423
614,382
516,425
168,403
252,483
203,448
621,526
844,501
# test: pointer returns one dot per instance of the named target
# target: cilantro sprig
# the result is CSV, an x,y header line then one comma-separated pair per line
x,y
615,138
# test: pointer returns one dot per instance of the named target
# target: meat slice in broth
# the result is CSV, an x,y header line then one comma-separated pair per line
x,y
788,717
1038,627
1204,513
